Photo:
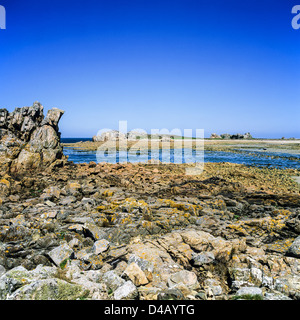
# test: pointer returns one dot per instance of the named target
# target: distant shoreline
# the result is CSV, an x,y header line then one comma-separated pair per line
x,y
296,140
271,145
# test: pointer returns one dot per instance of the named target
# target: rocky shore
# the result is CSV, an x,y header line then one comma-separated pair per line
x,y
143,231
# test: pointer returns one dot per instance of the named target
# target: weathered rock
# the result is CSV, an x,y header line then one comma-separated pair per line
x,y
112,280
275,295
28,141
2,270
163,264
91,230
89,259
289,285
172,236
73,188
170,294
18,277
185,277
127,291
67,200
142,263
112,135
245,276
53,117
51,283
249,291
50,289
15,233
9,282
100,246
60,254
294,249
136,274
90,280
236,136
135,135
148,293
3,117
51,193
215,136
203,258
220,248
212,287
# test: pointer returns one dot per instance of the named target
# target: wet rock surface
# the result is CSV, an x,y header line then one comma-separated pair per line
x,y
144,231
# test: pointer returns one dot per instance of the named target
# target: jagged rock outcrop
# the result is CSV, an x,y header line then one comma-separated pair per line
x,y
28,140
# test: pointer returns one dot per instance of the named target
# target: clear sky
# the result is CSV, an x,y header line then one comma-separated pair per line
x,y
222,66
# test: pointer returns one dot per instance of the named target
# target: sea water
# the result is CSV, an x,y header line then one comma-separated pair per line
x,y
253,158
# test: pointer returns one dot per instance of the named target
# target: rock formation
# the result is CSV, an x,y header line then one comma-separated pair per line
x,y
112,135
238,136
28,140
135,135
215,136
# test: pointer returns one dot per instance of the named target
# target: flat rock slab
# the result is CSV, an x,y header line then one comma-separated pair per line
x,y
296,178
61,253
100,246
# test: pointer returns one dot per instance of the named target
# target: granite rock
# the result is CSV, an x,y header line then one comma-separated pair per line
x,y
27,140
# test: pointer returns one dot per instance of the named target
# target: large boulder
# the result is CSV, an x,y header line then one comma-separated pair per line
x,y
28,140
294,249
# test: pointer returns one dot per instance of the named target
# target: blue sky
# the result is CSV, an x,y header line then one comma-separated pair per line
x,y
222,66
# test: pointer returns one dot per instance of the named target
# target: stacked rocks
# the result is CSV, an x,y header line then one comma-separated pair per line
x,y
28,140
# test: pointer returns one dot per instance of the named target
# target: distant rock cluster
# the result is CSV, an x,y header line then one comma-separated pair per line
x,y
28,139
114,135
227,136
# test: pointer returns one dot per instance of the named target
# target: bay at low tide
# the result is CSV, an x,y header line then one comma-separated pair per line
x,y
253,158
